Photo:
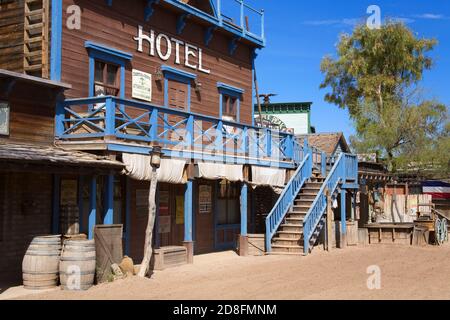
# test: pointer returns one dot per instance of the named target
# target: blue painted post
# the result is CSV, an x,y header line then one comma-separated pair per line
x,y
324,164
127,215
109,216
59,119
289,147
110,126
56,42
245,145
190,134
188,213
243,238
219,11
55,204
154,125
268,142
343,240
92,207
244,191
219,138
262,26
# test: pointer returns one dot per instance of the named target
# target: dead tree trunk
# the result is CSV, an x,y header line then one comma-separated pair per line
x,y
148,249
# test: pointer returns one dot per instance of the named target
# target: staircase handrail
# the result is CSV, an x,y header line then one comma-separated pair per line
x,y
284,203
317,209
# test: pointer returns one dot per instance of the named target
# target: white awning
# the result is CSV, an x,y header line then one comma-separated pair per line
x,y
217,171
138,167
274,177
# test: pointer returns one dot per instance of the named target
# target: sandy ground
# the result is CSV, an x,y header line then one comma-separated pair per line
x,y
406,273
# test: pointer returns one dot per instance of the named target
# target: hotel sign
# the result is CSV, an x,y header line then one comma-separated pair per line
x,y
167,48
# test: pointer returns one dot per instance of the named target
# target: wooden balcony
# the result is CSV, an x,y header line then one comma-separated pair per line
x,y
121,125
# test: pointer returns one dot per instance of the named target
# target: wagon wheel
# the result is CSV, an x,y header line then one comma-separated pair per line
x,y
437,231
444,230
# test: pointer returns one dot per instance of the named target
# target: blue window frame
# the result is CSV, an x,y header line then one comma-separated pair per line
x,y
227,94
98,52
182,76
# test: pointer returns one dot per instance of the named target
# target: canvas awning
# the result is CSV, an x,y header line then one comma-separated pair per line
x,y
138,167
218,171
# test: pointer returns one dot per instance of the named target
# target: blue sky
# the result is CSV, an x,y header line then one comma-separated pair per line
x,y
300,32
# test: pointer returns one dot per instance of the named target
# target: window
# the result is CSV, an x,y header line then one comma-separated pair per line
x,y
177,88
106,79
228,206
230,102
4,118
106,70
229,108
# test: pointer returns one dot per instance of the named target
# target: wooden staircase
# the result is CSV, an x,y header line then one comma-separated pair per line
x,y
36,38
289,237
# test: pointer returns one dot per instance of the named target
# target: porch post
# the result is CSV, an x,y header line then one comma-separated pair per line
x,y
353,205
92,207
343,237
55,204
243,238
127,215
188,212
109,216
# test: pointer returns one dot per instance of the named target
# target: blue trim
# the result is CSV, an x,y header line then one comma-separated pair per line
x,y
233,44
149,10
188,197
109,55
109,52
181,22
174,72
109,215
230,90
93,207
209,33
56,40
244,211
218,21
225,89
56,202
343,212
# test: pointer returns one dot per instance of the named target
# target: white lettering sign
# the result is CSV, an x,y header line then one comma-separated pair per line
x,y
141,85
164,46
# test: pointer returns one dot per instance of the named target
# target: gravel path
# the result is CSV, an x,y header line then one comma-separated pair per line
x,y
406,273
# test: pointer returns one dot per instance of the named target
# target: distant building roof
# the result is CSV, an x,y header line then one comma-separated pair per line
x,y
327,142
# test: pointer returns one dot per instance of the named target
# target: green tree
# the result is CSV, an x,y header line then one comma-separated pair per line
x,y
375,76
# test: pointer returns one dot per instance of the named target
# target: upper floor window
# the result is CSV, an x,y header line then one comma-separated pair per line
x,y
229,108
106,79
230,102
106,70
4,118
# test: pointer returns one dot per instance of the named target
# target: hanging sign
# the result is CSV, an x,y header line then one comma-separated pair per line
x,y
204,199
141,85
180,210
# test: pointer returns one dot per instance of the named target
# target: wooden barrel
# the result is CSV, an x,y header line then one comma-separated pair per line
x,y
40,263
77,266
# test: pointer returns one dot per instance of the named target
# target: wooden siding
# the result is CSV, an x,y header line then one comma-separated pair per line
x,y
32,115
11,35
117,25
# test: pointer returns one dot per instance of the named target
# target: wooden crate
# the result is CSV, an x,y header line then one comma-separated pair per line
x,y
256,245
421,236
169,257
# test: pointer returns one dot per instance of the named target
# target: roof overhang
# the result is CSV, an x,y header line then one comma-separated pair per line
x,y
23,78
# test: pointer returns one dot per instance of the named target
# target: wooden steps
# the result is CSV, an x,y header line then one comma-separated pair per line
x,y
288,239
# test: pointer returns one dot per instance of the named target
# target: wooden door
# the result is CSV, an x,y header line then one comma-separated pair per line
x,y
204,217
178,95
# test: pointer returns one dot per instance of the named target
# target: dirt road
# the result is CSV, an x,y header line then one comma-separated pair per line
x,y
406,273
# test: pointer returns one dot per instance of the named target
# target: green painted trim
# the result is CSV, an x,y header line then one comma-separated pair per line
x,y
285,108
309,123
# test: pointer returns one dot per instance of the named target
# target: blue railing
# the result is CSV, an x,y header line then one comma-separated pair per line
x,y
344,168
238,15
182,133
286,199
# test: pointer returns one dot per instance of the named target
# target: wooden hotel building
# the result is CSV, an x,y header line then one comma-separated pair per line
x,y
125,76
